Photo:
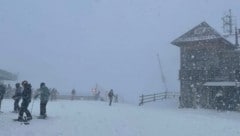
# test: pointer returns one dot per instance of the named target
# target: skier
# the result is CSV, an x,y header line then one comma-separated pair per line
x,y
2,92
44,93
26,99
110,96
73,94
53,94
17,97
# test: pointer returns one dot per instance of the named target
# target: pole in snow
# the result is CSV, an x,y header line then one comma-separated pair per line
x,y
162,76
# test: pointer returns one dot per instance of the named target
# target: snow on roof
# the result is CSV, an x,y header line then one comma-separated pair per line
x,y
222,83
5,75
201,32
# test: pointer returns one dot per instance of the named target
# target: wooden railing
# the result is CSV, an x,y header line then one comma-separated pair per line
x,y
70,97
157,96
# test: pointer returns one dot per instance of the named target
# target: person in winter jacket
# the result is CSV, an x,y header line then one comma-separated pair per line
x,y
17,97
110,96
26,99
73,94
44,93
2,92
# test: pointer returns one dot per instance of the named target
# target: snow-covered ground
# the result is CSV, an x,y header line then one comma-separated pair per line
x,y
94,118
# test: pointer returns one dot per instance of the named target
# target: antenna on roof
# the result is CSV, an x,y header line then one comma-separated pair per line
x,y
229,24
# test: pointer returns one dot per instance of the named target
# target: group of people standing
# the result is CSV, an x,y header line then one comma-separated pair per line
x,y
24,93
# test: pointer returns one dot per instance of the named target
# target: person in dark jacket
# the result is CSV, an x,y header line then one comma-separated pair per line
x,y
26,99
73,94
2,92
44,93
17,97
110,96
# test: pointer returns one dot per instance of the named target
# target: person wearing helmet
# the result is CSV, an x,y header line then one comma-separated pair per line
x,y
26,99
44,93
17,97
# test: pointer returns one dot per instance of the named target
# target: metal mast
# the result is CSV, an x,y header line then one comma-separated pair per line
x,y
230,26
162,74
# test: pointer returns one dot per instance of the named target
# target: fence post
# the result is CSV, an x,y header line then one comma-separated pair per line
x,y
141,103
154,97
165,94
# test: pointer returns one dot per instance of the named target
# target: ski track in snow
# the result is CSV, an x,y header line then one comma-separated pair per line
x,y
94,118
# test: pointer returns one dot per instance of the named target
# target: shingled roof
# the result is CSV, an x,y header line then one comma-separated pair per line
x,y
202,32
4,75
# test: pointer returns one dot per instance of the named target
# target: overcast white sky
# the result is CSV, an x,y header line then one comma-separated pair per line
x,y
78,43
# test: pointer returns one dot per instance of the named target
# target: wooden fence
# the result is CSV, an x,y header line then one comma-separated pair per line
x,y
70,97
157,96
76,97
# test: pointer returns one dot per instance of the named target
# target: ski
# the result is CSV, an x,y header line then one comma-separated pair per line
x,y
41,117
24,121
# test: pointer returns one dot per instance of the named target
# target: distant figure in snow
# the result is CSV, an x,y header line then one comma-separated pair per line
x,y
180,102
73,94
53,94
26,99
110,96
2,92
44,93
17,97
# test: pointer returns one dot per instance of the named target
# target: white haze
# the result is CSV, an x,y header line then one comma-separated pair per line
x,y
114,43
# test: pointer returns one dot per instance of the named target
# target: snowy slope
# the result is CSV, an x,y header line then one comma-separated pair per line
x,y
86,118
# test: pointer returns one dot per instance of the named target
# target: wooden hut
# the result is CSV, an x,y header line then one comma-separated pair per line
x,y
209,64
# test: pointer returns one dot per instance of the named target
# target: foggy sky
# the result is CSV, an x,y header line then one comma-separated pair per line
x,y
114,43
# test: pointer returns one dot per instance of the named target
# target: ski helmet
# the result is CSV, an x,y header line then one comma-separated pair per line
x,y
42,84
25,82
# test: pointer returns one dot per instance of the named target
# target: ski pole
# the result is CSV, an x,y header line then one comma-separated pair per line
x,y
32,106
1,104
